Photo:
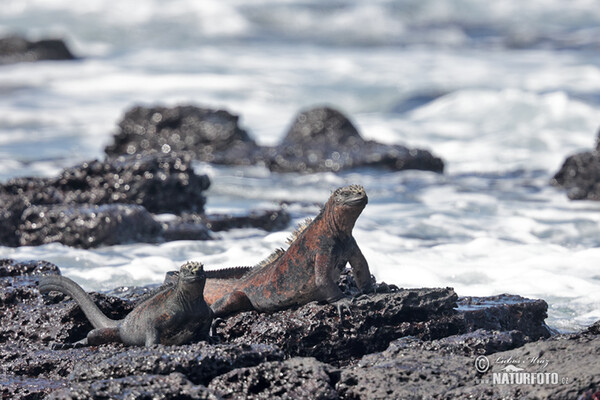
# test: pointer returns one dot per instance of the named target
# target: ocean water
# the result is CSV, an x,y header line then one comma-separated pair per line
x,y
502,91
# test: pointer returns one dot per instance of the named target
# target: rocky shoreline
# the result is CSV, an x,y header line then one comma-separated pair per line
x,y
395,343
148,171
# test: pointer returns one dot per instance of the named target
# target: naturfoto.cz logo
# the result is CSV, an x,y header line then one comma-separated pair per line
x,y
513,371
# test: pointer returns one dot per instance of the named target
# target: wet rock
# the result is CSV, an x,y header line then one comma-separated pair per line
x,y
87,226
567,366
506,313
200,362
323,139
18,49
401,373
203,132
268,220
172,386
580,176
159,183
102,203
593,329
10,267
83,204
185,228
296,378
28,319
29,324
315,330
397,343
320,139
479,342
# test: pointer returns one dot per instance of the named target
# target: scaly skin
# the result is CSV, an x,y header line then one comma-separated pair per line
x,y
307,271
175,315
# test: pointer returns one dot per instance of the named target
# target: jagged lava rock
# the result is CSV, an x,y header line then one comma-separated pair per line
x,y
172,386
18,49
315,330
29,323
506,312
580,175
296,378
204,132
495,323
194,226
405,373
323,139
160,183
87,226
200,362
426,348
320,139
422,371
27,318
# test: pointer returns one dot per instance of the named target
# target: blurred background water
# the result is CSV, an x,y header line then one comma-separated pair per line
x,y
503,91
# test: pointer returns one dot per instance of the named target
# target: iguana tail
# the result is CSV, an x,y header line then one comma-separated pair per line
x,y
67,286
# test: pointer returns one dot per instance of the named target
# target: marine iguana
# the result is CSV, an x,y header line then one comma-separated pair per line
x,y
174,315
307,271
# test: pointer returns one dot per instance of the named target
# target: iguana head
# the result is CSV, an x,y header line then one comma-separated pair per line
x,y
192,271
345,205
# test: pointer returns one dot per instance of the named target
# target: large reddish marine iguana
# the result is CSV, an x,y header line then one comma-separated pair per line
x,y
307,271
174,315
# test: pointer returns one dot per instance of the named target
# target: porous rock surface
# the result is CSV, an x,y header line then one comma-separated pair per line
x,y
102,203
206,133
396,343
319,139
323,139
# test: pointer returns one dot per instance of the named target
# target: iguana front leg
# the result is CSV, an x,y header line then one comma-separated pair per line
x,y
152,337
327,289
360,268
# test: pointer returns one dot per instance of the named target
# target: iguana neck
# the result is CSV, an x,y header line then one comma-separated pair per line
x,y
187,293
337,226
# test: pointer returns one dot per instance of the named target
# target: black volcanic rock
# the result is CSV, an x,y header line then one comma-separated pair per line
x,y
296,378
323,139
159,183
320,139
86,226
506,313
315,330
100,202
580,175
18,49
398,343
172,386
268,220
205,133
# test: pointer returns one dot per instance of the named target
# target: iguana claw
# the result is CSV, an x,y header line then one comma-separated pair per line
x,y
213,326
343,304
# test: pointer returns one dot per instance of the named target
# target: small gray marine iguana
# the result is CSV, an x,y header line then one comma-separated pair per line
x,y
176,314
